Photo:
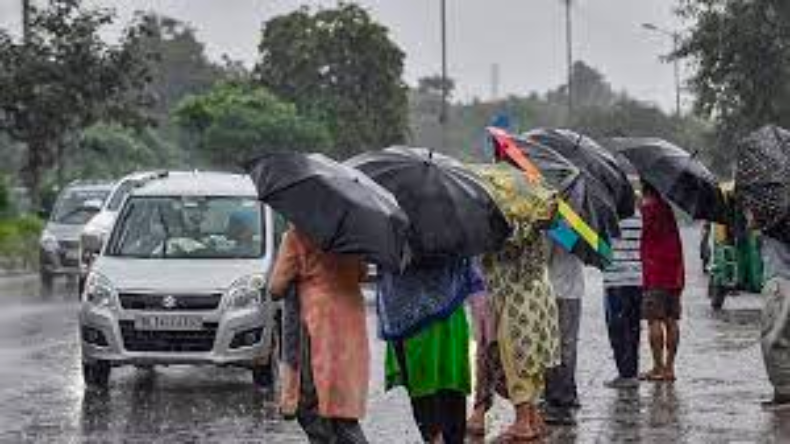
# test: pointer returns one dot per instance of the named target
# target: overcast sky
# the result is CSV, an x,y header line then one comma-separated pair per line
x,y
525,38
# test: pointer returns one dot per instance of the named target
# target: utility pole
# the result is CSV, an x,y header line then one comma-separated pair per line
x,y
445,92
25,20
675,45
569,47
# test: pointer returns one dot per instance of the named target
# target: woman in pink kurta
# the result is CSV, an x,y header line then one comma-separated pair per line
x,y
333,312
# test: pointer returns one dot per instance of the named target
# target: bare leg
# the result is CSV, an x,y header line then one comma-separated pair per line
x,y
673,339
657,343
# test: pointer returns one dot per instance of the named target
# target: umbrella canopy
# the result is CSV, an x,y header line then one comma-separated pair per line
x,y
450,210
763,179
584,194
595,163
523,203
340,208
677,175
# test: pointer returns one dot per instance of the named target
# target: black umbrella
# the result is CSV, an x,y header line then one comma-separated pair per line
x,y
677,175
594,162
762,181
450,210
340,208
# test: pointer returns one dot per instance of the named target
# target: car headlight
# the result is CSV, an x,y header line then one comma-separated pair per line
x,y
49,242
99,291
246,292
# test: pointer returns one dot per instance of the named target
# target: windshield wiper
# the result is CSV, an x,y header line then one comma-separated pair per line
x,y
164,228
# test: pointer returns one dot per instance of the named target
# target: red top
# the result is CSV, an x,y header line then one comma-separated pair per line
x,y
662,252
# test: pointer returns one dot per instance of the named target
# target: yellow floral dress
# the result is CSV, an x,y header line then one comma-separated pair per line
x,y
524,305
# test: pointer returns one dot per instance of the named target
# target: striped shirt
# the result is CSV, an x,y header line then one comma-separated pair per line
x,y
626,267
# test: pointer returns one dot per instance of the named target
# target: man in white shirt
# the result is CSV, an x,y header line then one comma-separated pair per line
x,y
622,283
566,272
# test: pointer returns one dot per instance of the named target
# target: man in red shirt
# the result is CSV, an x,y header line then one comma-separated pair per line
x,y
663,276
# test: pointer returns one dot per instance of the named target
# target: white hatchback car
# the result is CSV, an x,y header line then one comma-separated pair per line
x,y
182,280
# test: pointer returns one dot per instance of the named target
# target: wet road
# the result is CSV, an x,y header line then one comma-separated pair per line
x,y
42,399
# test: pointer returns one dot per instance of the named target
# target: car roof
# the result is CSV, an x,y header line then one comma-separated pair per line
x,y
198,183
85,185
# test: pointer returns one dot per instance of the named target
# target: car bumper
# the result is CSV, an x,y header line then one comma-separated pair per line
x,y
59,263
114,327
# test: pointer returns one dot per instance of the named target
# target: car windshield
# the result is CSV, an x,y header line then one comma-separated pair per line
x,y
78,206
189,227
120,194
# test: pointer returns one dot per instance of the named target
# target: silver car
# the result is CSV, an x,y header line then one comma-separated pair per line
x,y
59,243
182,280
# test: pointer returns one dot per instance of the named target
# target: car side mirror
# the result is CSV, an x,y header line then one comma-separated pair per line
x,y
92,242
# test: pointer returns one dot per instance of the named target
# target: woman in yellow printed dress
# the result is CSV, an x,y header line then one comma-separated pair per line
x,y
525,310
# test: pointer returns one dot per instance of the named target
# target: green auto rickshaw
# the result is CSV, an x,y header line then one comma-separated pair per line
x,y
734,263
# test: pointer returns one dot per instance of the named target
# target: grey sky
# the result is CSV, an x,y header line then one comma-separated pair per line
x,y
525,38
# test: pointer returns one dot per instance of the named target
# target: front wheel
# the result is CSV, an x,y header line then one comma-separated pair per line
x,y
96,374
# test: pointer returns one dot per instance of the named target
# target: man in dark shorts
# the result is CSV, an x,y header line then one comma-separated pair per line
x,y
663,277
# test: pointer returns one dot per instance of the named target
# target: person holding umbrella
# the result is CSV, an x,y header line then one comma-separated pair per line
x,y
432,360
663,281
339,217
334,362
527,332
762,187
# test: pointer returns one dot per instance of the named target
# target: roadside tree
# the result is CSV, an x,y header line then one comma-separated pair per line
x,y
236,121
63,78
340,66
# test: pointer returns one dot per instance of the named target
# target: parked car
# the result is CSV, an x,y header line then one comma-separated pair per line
x,y
98,228
182,280
59,243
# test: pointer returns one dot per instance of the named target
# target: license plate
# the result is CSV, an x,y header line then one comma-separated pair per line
x,y
72,255
168,322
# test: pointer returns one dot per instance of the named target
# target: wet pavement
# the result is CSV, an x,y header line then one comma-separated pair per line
x,y
720,384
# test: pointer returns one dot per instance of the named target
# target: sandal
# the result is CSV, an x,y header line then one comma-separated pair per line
x,y
514,435
652,376
475,429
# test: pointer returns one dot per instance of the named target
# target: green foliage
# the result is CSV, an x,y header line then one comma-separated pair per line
x,y
235,121
63,78
340,66
741,53
180,67
19,242
110,150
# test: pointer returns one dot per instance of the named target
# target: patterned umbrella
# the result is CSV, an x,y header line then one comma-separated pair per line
x,y
763,179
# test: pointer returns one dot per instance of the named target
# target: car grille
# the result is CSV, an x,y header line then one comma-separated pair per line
x,y
168,341
143,301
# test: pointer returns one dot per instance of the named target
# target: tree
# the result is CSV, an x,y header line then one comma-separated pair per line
x,y
234,122
180,67
341,66
741,53
107,151
63,78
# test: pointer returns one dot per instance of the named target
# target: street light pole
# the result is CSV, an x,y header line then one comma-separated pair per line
x,y
443,112
675,45
25,20
569,54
